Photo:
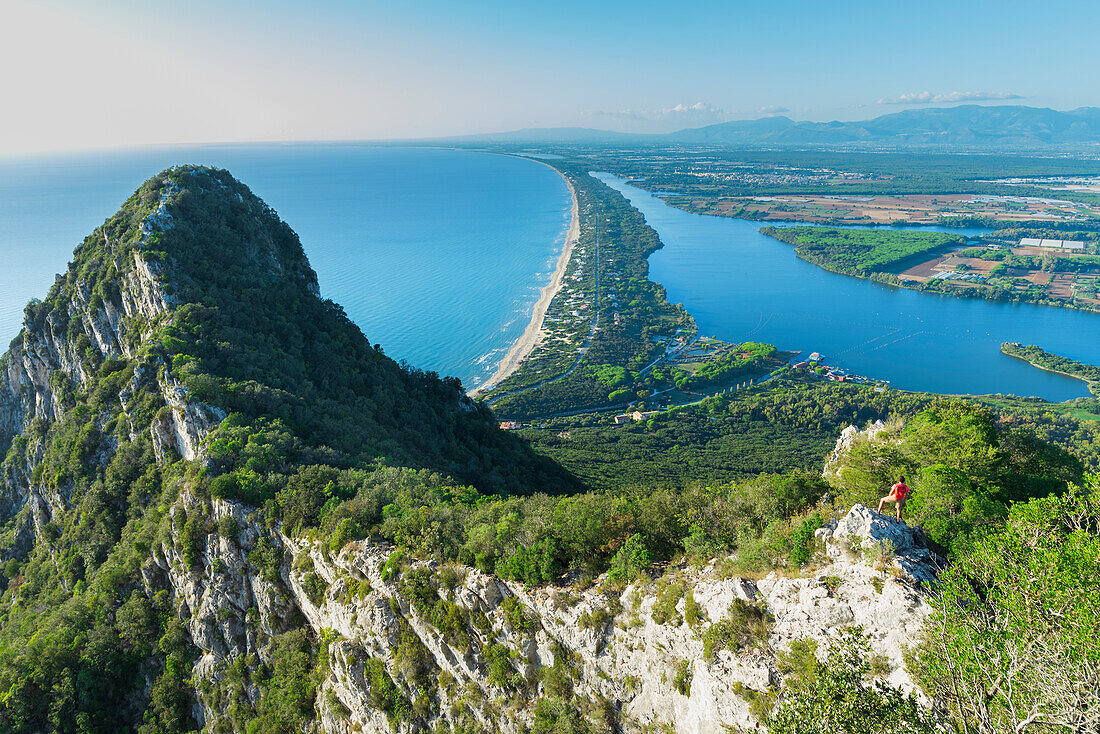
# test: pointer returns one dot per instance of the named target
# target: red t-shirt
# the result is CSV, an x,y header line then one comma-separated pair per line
x,y
899,491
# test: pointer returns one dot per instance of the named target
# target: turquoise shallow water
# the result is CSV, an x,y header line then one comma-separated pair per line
x,y
740,284
437,255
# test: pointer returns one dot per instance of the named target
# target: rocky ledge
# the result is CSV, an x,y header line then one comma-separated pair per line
x,y
451,644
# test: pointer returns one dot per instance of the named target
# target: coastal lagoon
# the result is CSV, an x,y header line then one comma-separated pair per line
x,y
437,255
740,284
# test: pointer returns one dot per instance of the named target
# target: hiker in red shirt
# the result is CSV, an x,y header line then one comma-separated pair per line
x,y
898,494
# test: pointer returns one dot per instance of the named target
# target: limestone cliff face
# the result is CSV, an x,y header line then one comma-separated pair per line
x,y
613,646
80,327
409,645
48,351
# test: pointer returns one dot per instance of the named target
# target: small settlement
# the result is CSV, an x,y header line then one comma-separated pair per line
x,y
1060,269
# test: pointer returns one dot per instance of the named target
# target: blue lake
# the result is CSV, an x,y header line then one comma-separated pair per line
x,y
740,285
437,255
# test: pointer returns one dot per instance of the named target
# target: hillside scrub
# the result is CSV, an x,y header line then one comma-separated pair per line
x,y
965,471
843,694
321,436
1013,644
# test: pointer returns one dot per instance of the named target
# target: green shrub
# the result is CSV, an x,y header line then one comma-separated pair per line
x,y
391,569
799,661
700,547
554,715
498,659
745,626
693,612
227,527
418,585
684,673
516,615
315,587
596,619
557,679
193,537
630,560
267,557
347,529
843,696
664,606
831,584
384,693
802,540
289,692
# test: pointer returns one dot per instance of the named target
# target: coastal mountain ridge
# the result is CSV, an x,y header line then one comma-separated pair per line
x,y
182,386
197,285
963,126
223,510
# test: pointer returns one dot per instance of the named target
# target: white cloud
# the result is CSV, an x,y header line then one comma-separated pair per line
x,y
700,112
683,115
929,98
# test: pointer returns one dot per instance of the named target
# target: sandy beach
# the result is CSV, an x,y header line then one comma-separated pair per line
x,y
533,333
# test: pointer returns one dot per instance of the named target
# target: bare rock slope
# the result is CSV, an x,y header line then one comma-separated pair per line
x,y
499,647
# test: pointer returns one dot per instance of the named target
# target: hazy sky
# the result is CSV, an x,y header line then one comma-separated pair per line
x,y
105,73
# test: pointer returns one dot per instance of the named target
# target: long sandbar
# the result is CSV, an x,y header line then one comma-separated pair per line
x,y
533,333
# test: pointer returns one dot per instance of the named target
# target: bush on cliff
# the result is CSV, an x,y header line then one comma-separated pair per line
x,y
1013,645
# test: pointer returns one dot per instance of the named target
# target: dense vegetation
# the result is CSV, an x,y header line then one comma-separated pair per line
x,y
862,251
305,395
1055,363
966,471
785,425
744,359
324,436
789,425
635,320
1013,645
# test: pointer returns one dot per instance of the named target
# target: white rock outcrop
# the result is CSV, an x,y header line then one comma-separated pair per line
x,y
849,436
873,574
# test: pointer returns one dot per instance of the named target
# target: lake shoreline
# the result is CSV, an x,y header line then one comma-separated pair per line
x,y
534,332
738,284
894,280
1093,386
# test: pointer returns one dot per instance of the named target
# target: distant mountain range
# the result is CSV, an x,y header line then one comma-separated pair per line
x,y
962,126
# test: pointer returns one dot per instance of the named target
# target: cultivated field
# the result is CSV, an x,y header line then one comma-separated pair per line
x,y
910,208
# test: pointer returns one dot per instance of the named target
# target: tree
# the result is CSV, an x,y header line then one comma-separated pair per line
x,y
843,696
1013,645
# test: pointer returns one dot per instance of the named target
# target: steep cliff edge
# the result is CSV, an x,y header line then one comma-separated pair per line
x,y
411,644
222,509
186,349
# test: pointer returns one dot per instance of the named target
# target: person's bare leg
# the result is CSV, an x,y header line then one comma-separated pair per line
x,y
882,502
899,505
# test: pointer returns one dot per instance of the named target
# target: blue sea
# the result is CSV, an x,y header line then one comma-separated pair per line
x,y
740,284
437,255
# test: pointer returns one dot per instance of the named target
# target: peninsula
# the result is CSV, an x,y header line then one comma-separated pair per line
x,y
1044,360
534,331
226,510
